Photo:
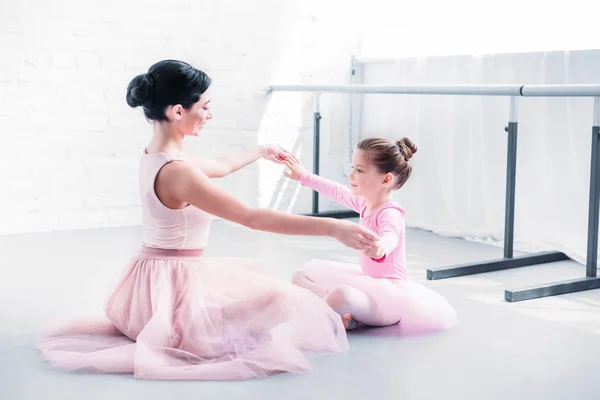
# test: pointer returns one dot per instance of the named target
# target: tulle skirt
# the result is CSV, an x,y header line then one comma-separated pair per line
x,y
178,315
409,307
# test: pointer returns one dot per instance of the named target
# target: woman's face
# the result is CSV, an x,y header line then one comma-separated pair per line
x,y
198,115
192,120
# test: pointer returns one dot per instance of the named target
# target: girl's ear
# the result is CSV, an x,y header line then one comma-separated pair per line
x,y
388,179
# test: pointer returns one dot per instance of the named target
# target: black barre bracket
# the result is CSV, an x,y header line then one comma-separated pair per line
x,y
590,281
495,265
552,289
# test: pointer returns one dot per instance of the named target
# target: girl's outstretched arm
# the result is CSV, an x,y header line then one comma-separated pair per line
x,y
333,190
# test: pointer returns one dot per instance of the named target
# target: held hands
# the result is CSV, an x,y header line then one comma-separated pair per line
x,y
279,155
274,153
354,235
376,251
349,234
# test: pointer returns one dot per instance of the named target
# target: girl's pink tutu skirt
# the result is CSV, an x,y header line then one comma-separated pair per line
x,y
407,307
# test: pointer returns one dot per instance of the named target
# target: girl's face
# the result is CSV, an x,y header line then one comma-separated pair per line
x,y
364,178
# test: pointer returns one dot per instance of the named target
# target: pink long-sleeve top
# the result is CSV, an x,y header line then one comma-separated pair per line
x,y
387,221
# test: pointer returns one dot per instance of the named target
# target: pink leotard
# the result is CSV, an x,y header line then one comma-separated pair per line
x,y
387,221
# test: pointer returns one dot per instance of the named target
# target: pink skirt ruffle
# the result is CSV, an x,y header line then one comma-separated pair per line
x,y
178,315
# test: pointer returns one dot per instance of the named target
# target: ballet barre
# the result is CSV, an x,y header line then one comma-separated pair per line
x,y
509,261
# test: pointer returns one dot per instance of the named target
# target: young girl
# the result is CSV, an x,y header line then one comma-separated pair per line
x,y
379,292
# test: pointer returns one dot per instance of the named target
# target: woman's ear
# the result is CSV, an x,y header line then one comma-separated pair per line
x,y
176,112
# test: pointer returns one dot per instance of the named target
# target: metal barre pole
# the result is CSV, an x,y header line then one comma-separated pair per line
x,y
485,90
316,151
511,171
586,90
592,244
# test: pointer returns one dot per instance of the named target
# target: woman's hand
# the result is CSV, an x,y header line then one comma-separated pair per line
x,y
354,235
274,153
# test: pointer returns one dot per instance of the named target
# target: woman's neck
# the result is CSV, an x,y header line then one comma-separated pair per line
x,y
165,140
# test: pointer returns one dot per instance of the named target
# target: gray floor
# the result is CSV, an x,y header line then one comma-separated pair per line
x,y
542,349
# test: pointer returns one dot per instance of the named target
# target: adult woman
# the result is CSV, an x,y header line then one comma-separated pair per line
x,y
176,314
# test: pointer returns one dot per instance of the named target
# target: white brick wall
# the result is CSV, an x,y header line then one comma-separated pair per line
x,y
71,144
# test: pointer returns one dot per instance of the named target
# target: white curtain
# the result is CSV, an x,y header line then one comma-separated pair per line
x,y
459,173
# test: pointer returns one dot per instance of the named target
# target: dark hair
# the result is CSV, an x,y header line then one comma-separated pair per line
x,y
390,156
166,83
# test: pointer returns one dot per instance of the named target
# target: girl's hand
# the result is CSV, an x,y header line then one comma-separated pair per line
x,y
296,169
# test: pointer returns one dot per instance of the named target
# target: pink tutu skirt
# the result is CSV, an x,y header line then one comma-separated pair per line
x,y
178,315
405,306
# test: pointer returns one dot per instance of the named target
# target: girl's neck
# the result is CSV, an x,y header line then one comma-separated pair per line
x,y
374,202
